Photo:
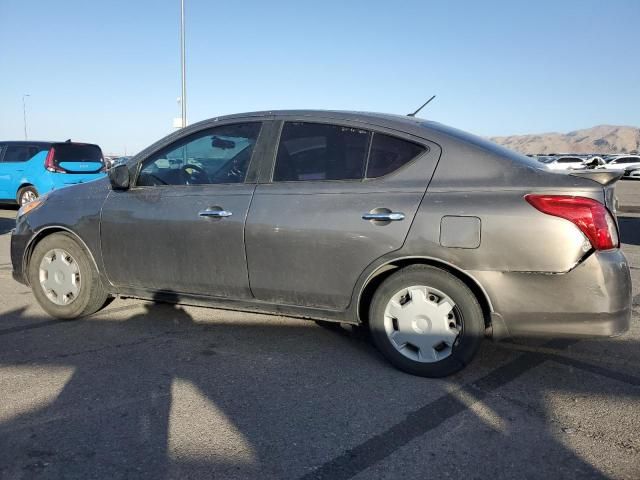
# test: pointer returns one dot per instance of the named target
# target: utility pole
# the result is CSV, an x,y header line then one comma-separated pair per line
x,y
183,66
24,113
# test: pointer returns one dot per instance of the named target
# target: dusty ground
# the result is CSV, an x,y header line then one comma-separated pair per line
x,y
156,391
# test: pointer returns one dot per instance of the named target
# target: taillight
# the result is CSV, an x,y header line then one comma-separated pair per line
x,y
589,215
50,165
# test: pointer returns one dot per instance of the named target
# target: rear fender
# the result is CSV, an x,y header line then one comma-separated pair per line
x,y
509,234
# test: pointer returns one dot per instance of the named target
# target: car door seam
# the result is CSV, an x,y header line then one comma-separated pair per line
x,y
104,269
244,239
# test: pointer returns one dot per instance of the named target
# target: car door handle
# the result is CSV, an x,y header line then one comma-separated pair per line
x,y
215,213
384,217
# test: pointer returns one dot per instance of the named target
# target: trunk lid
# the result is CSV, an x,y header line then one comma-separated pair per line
x,y
608,180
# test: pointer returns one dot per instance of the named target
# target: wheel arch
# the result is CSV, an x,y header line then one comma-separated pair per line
x,y
47,231
24,185
383,271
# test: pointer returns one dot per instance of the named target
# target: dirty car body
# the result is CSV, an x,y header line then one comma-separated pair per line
x,y
262,224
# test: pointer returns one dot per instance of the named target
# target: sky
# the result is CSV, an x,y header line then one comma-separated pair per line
x,y
109,72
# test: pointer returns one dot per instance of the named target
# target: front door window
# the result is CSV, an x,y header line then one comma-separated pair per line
x,y
213,156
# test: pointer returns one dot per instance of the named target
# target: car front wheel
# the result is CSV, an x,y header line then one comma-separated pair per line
x,y
426,321
64,279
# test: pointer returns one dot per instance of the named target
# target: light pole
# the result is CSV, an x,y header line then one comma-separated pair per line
x,y
24,113
183,66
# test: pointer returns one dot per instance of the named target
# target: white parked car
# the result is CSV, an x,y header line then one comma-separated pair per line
x,y
565,162
622,162
632,172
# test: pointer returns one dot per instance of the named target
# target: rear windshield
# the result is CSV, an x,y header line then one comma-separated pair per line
x,y
73,152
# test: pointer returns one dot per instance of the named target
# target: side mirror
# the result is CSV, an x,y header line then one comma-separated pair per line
x,y
119,177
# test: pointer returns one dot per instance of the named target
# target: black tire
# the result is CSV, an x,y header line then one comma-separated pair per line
x,y
92,295
26,191
467,343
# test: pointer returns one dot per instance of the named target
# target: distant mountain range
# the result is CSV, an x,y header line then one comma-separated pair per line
x,y
600,139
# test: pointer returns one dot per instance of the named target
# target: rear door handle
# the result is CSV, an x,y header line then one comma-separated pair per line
x,y
384,217
215,213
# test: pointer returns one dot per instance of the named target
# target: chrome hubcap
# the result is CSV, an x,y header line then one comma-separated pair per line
x,y
60,277
28,196
422,323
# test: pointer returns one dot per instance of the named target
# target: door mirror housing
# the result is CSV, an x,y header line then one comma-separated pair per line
x,y
119,177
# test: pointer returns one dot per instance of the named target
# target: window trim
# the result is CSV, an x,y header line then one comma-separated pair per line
x,y
372,129
366,160
167,146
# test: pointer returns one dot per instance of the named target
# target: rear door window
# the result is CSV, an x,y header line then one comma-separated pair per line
x,y
17,153
389,153
316,151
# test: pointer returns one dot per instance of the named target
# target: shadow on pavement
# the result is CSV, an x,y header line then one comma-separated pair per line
x,y
629,230
6,225
158,395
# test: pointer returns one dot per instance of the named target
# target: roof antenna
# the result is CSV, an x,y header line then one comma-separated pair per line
x,y
423,105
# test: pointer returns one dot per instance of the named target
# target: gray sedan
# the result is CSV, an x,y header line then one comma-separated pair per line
x,y
431,237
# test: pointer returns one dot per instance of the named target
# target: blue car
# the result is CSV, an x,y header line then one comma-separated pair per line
x,y
29,169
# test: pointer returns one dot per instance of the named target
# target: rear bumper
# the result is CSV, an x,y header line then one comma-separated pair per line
x,y
593,299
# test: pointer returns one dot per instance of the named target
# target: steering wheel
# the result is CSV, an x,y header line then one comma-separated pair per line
x,y
237,169
234,170
201,172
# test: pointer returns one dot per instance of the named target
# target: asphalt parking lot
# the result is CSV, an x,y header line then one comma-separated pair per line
x,y
159,391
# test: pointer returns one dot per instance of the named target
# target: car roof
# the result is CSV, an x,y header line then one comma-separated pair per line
x,y
622,155
420,127
399,122
42,143
26,142
76,143
431,131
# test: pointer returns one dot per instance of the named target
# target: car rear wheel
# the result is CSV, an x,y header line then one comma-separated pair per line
x,y
26,195
64,279
426,321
